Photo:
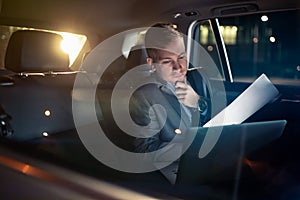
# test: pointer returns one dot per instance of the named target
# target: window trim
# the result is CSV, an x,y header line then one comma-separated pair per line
x,y
222,50
220,45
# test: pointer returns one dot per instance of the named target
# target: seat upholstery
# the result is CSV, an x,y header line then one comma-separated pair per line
x,y
137,56
35,51
111,76
27,100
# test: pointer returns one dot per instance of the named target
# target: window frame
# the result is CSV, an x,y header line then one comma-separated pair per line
x,y
224,55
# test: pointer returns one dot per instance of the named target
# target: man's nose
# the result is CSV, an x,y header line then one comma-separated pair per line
x,y
177,65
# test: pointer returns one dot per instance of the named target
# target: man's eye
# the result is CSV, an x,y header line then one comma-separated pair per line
x,y
166,62
182,58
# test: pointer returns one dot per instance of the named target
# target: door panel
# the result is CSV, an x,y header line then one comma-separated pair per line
x,y
243,48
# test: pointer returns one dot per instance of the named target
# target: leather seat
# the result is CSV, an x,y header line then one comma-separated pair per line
x,y
26,100
35,51
137,56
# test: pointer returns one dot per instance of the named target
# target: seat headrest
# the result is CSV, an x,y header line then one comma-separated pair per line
x,y
136,57
35,51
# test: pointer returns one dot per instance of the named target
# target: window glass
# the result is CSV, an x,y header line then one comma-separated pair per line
x,y
207,49
264,43
71,44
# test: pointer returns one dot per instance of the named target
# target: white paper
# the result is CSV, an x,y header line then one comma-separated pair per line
x,y
258,94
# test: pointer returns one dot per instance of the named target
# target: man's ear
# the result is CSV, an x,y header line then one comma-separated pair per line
x,y
150,62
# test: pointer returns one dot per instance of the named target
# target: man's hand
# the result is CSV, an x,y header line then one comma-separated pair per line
x,y
186,94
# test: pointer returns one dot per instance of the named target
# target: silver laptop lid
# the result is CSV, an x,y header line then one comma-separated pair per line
x,y
234,143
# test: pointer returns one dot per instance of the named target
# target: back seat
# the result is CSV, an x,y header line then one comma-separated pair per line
x,y
113,73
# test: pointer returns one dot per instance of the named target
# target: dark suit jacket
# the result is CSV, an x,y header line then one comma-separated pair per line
x,y
140,110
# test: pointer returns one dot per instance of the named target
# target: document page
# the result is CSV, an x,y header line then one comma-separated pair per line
x,y
258,94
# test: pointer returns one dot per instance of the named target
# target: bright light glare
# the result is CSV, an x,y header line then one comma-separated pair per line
x,y
264,18
47,113
210,48
177,131
255,40
229,34
272,39
72,44
45,134
204,34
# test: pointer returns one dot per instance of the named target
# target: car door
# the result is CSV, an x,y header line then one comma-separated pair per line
x,y
266,43
244,47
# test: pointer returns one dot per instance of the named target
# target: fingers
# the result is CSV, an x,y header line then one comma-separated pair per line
x,y
181,90
181,87
180,84
186,94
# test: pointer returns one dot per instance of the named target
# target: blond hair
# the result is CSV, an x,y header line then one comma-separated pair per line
x,y
159,36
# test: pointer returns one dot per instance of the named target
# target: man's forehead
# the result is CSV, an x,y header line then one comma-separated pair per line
x,y
175,46
163,53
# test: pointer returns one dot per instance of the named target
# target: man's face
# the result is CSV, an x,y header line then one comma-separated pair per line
x,y
171,62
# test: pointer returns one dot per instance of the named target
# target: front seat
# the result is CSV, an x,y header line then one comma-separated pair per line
x,y
35,51
39,104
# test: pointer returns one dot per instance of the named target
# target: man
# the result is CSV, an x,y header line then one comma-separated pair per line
x,y
168,106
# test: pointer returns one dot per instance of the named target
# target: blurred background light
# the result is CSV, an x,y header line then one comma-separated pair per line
x,y
72,44
45,134
272,39
47,113
264,18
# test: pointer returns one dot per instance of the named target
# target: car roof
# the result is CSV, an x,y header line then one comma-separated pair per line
x,y
103,18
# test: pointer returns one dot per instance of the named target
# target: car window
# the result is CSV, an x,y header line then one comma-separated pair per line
x,y
71,44
202,34
263,43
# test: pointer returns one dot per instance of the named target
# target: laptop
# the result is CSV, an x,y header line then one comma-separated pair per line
x,y
223,160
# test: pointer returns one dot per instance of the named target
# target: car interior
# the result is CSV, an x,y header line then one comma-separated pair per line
x,y
53,99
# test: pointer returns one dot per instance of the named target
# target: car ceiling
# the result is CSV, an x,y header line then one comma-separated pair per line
x,y
104,18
